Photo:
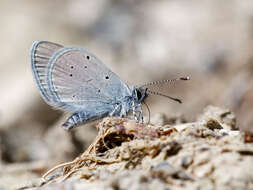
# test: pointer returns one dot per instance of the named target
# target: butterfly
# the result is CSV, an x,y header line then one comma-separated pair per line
x,y
75,80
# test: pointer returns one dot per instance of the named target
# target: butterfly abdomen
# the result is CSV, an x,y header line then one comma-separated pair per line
x,y
79,118
74,120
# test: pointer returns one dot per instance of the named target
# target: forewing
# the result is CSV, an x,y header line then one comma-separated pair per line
x,y
80,81
41,52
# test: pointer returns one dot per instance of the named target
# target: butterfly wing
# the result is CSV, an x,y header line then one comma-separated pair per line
x,y
41,52
76,80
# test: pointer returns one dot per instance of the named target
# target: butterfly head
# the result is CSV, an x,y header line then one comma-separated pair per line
x,y
139,94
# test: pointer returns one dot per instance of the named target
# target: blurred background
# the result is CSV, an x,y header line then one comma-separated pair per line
x,y
141,41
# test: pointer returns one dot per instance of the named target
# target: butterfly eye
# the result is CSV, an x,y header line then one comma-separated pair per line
x,y
138,94
87,57
107,77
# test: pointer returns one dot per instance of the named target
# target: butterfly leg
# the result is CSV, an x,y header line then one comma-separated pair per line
x,y
141,114
135,112
123,112
115,111
138,113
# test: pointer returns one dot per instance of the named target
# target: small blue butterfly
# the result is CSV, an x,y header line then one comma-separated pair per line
x,y
75,80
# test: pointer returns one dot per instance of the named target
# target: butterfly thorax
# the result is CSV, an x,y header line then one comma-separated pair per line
x,y
130,104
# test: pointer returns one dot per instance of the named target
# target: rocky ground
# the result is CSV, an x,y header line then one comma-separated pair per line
x,y
141,41
210,153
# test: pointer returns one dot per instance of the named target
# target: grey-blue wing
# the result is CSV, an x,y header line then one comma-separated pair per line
x,y
78,80
75,80
41,53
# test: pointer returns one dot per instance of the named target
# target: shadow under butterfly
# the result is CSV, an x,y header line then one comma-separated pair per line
x,y
75,80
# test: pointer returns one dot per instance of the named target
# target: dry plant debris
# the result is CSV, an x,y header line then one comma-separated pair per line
x,y
208,154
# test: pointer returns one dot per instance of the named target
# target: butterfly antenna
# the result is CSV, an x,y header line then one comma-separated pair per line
x,y
163,95
148,111
165,81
